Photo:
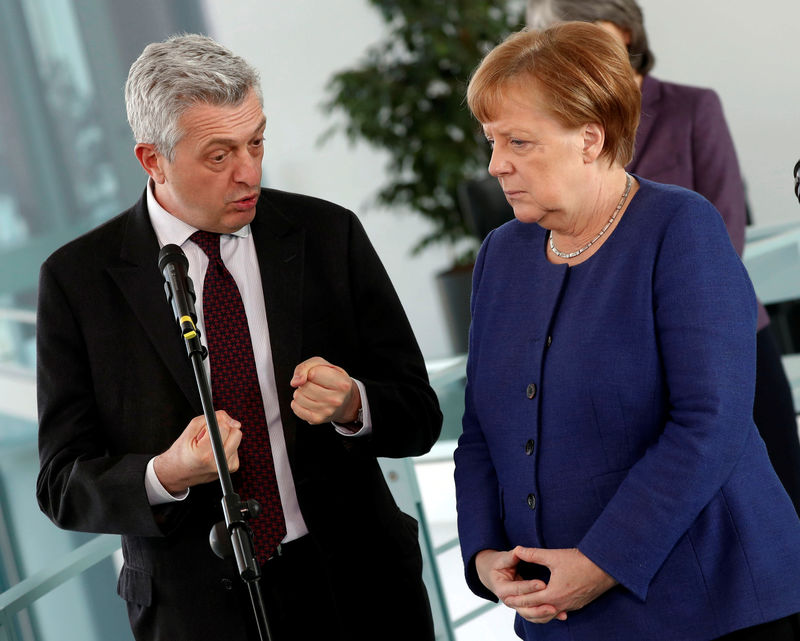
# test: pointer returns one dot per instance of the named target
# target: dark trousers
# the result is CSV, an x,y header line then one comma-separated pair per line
x,y
309,597
774,414
298,595
786,629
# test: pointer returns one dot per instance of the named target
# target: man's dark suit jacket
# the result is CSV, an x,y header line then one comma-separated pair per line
x,y
116,387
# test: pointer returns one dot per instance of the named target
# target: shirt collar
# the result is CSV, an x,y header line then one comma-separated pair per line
x,y
168,228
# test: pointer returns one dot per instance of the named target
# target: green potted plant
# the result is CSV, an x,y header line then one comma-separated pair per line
x,y
407,96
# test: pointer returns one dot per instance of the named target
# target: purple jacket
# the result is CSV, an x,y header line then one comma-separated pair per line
x,y
683,140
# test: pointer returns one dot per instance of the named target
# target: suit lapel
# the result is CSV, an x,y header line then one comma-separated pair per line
x,y
280,246
142,285
651,108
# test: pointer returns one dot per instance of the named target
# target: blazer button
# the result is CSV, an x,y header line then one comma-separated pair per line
x,y
227,584
531,391
529,445
549,341
532,501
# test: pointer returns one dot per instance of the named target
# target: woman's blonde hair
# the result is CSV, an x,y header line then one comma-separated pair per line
x,y
580,72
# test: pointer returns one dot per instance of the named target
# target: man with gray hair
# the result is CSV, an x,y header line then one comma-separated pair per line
x,y
314,372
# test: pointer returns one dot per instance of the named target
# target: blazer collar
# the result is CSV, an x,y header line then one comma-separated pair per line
x,y
142,284
280,246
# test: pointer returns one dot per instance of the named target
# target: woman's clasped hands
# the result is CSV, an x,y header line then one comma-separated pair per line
x,y
574,581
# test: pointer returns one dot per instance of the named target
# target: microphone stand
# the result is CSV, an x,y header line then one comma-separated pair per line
x,y
233,536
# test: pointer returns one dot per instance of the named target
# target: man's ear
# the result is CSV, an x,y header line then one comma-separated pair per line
x,y
594,138
150,160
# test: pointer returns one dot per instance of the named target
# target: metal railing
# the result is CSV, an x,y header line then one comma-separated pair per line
x,y
20,596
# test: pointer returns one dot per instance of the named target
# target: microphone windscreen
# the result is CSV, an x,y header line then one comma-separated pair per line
x,y
169,254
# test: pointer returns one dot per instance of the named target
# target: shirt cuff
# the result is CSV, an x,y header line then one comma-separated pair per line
x,y
156,494
366,427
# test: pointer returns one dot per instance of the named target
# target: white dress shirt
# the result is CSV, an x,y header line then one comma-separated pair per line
x,y
239,255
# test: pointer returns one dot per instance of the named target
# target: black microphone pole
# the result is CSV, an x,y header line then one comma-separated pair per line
x,y
234,536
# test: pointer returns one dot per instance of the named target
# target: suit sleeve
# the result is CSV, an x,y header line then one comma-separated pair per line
x,y
477,488
406,419
80,485
704,314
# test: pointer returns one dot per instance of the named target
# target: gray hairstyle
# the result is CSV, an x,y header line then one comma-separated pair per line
x,y
171,76
626,14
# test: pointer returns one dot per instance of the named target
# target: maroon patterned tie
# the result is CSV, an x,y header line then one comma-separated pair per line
x,y
235,389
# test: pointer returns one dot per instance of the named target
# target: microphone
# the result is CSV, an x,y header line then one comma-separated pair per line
x,y
174,265
797,180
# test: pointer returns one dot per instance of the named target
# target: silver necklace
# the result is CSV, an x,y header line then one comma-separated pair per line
x,y
578,252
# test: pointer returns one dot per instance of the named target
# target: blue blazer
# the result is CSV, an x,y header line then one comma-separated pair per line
x,y
609,408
